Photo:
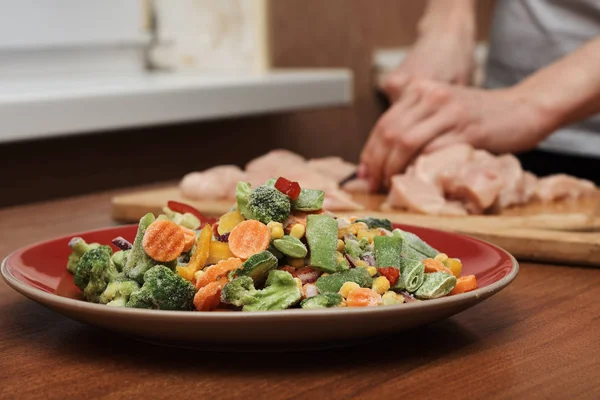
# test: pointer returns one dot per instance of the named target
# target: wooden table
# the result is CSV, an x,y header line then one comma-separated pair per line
x,y
539,338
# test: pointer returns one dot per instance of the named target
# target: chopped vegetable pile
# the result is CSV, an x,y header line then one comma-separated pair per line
x,y
276,249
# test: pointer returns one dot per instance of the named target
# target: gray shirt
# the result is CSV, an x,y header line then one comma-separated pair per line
x,y
530,34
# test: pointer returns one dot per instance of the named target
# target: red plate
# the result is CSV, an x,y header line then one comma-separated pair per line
x,y
39,272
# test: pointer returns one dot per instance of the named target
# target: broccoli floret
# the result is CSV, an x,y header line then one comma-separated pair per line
x,y
239,291
119,259
280,292
267,204
79,247
163,290
118,291
94,271
138,262
325,300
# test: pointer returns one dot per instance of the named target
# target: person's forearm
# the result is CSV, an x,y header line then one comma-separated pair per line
x,y
566,91
448,15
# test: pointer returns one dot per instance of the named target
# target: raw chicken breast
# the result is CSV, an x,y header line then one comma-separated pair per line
x,y
453,208
476,183
561,186
441,165
413,194
459,179
528,186
357,186
332,167
337,200
291,166
275,160
214,183
513,182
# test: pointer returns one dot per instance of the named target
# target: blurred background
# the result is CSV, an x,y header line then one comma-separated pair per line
x,y
97,95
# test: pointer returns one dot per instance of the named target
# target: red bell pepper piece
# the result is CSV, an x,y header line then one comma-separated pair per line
x,y
392,274
290,188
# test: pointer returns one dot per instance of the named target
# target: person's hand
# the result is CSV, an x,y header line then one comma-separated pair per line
x,y
431,115
438,56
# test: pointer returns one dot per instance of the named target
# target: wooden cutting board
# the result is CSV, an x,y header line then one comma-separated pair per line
x,y
566,232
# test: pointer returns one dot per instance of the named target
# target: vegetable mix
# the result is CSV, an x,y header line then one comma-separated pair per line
x,y
276,249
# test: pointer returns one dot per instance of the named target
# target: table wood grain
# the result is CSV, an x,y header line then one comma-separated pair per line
x,y
539,338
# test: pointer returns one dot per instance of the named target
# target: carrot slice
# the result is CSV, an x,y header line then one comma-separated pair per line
x,y
209,297
465,284
248,238
189,238
363,297
164,240
432,265
218,272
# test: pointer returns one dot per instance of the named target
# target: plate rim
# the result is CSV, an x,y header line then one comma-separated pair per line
x,y
66,303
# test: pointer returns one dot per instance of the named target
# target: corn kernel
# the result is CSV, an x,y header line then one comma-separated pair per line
x,y
381,284
198,274
441,257
296,262
298,231
342,232
365,233
339,257
273,224
276,232
340,245
362,225
353,229
347,288
455,265
390,298
361,263
372,271
389,295
299,284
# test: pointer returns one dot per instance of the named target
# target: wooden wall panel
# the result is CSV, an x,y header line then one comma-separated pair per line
x,y
305,33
